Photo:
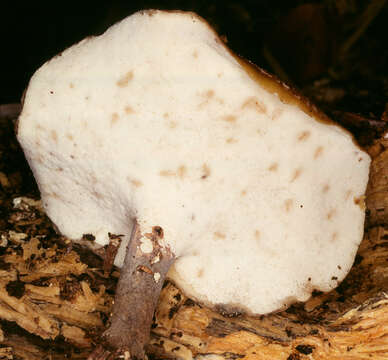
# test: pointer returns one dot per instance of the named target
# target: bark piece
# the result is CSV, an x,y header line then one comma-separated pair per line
x,y
111,252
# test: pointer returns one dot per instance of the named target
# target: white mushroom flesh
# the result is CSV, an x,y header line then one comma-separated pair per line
x,y
157,120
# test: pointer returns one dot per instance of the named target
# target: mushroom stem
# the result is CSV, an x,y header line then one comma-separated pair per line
x,y
138,289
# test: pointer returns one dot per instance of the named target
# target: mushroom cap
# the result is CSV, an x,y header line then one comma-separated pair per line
x,y
156,120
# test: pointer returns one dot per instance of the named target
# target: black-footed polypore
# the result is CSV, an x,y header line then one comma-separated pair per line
x,y
217,175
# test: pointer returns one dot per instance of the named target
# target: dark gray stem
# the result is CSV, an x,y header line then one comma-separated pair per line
x,y
138,289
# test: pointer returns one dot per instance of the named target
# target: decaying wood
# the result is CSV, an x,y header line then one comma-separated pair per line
x,y
377,193
111,252
55,300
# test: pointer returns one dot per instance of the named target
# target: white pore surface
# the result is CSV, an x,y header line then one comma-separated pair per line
x,y
156,120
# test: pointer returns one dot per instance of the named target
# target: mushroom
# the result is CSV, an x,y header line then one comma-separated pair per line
x,y
214,173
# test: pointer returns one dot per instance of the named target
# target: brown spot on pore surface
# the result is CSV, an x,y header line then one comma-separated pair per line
x,y
273,167
347,194
334,236
71,86
122,82
206,171
219,235
360,201
318,152
195,54
182,171
200,273
243,192
325,188
39,159
54,195
167,173
304,135
296,174
69,136
288,204
97,195
255,104
230,118
257,234
54,135
172,124
134,182
330,214
128,110
276,113
209,94
114,118
231,140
